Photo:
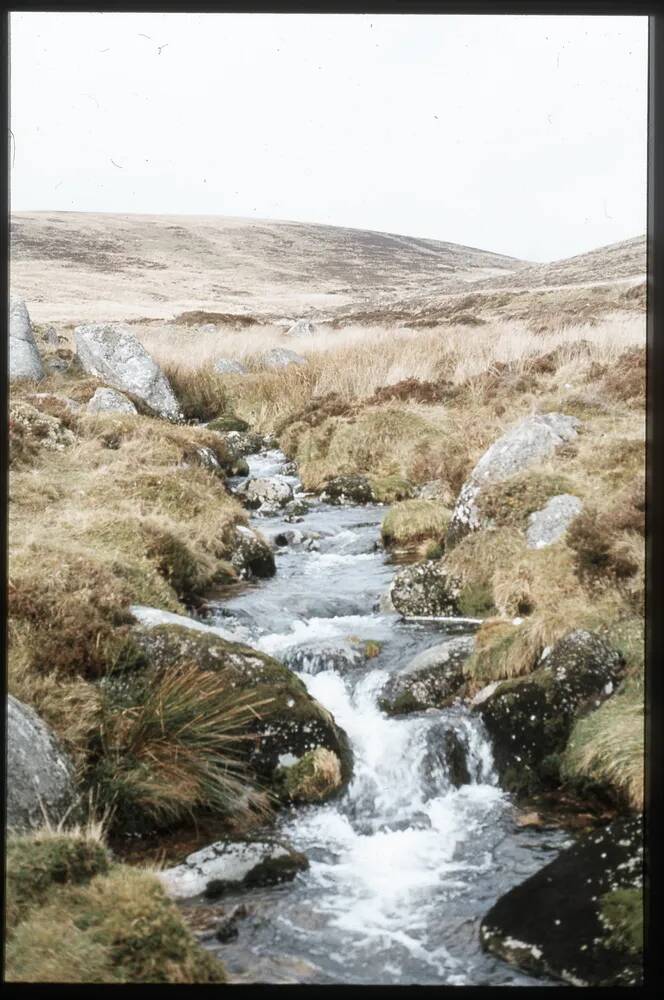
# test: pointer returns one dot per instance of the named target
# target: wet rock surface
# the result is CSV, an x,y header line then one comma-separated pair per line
x,y
252,555
111,352
431,680
578,918
228,865
40,775
530,718
534,439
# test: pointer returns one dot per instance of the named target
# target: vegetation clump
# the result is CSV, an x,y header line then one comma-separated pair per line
x,y
508,503
77,917
413,521
201,392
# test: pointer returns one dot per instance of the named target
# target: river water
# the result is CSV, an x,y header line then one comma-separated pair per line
x,y
403,865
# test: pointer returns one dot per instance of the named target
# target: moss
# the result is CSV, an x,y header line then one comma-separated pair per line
x,y
404,703
387,489
493,646
372,648
433,550
178,565
314,778
36,863
622,912
228,422
509,503
272,871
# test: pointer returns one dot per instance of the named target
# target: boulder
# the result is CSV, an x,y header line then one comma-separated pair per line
x,y
281,357
229,366
341,656
232,866
347,489
40,775
445,761
315,777
111,352
205,458
580,918
529,719
549,524
252,555
424,590
110,401
239,444
289,722
301,328
24,358
530,441
431,679
269,492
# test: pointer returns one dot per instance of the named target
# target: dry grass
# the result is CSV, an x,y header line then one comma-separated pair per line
x,y
171,746
413,521
608,745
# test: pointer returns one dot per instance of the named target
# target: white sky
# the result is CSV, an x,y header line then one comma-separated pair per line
x,y
520,134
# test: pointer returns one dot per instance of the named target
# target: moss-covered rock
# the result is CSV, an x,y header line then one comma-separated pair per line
x,y
348,489
288,721
389,489
431,680
316,776
425,589
228,422
530,718
579,919
252,555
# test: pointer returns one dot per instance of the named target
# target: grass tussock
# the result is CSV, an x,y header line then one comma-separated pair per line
x,y
74,916
412,521
201,392
608,745
171,745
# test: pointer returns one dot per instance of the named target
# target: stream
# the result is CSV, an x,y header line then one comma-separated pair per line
x,y
404,864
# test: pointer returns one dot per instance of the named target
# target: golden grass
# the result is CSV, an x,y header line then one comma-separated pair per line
x,y
412,521
608,745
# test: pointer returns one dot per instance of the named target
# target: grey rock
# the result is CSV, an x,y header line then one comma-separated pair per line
x,y
20,325
268,492
114,354
110,401
347,489
242,443
252,555
230,865
24,358
229,366
316,657
40,775
281,357
205,458
530,441
302,328
430,680
424,589
549,524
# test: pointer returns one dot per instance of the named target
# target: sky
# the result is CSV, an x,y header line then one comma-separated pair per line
x,y
525,135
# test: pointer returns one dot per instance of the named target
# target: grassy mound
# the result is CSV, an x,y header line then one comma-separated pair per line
x,y
74,916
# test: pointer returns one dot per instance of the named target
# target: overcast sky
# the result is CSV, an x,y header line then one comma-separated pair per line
x,y
524,135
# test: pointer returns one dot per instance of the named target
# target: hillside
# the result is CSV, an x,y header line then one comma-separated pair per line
x,y
77,266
